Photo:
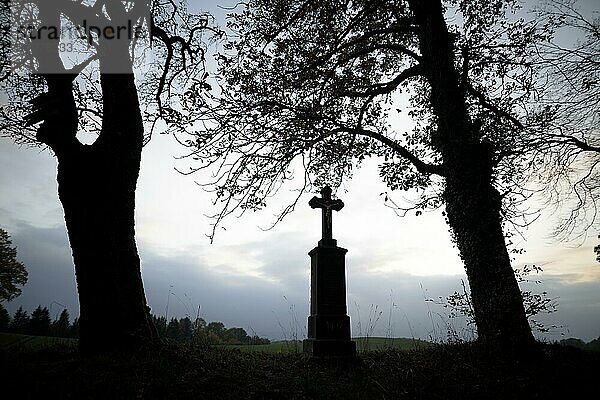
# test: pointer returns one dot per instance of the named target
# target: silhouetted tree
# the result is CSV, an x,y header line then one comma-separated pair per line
x,y
237,336
594,344
97,182
4,319
199,324
213,333
12,271
161,325
216,328
20,321
597,251
74,329
199,332
185,328
173,329
259,340
61,326
574,342
319,85
39,324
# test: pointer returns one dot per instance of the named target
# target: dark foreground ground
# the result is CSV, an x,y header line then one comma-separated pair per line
x,y
464,371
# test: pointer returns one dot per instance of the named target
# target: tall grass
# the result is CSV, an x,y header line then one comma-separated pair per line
x,y
292,337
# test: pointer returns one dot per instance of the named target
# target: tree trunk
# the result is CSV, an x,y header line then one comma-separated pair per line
x,y
473,205
96,186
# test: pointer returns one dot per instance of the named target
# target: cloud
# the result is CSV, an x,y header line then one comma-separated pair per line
x,y
260,280
278,306
578,307
180,285
567,262
28,186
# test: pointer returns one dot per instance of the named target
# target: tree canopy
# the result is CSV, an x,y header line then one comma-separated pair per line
x,y
318,87
198,331
169,66
39,324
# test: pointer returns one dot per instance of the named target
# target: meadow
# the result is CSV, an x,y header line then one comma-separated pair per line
x,y
18,342
41,368
363,344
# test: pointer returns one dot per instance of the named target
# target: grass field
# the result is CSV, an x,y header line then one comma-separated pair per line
x,y
363,344
15,342
36,368
464,371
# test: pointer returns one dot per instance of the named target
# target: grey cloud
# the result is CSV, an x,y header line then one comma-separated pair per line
x,y
391,303
47,256
578,307
184,285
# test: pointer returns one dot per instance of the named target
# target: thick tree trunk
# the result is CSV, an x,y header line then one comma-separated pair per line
x,y
473,207
96,186
473,204
97,189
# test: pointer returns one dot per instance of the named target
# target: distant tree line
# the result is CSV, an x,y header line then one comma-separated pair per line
x,y
594,345
212,333
39,323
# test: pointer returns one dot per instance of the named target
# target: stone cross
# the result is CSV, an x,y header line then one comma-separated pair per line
x,y
328,322
326,204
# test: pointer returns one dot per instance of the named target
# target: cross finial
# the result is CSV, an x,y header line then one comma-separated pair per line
x,y
326,204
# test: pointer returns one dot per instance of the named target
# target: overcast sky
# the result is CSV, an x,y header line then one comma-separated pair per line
x,y
259,280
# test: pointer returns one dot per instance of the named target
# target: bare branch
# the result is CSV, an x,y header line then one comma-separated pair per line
x,y
484,102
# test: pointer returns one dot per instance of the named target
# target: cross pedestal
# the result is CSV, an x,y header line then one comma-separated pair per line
x,y
328,323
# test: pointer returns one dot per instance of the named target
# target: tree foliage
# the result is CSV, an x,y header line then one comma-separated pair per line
x,y
325,85
20,321
178,329
12,272
62,325
39,324
170,71
183,329
4,319
173,330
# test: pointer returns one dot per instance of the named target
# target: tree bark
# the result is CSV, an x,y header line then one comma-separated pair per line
x,y
96,186
473,204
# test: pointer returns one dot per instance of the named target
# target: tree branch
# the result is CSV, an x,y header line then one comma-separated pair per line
x,y
486,104
421,166
387,87
581,144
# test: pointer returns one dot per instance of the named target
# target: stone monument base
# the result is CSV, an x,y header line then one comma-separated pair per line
x,y
329,348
